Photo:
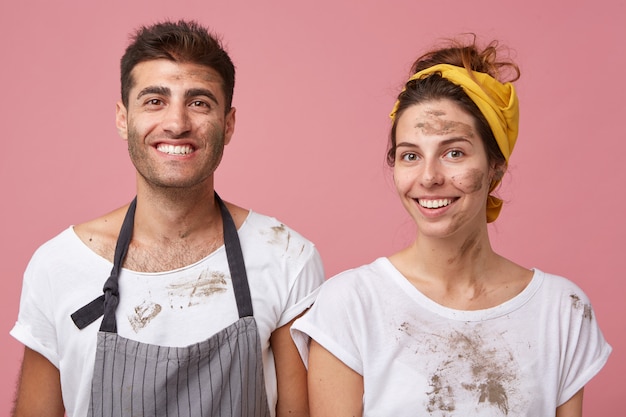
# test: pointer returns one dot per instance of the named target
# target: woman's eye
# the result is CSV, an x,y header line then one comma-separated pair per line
x,y
409,157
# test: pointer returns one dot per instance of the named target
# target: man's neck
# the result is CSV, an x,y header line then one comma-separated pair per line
x,y
175,216
173,229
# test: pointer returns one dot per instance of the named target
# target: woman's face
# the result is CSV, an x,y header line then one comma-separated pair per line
x,y
441,169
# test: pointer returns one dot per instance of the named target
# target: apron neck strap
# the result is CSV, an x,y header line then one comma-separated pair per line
x,y
236,264
106,304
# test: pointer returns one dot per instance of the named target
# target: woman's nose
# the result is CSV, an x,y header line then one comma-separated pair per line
x,y
431,174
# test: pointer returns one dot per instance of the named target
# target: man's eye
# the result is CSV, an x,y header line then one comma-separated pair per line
x,y
455,154
199,103
154,102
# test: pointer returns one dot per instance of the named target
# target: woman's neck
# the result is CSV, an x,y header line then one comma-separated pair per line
x,y
462,273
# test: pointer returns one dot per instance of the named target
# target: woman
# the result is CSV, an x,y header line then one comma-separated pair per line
x,y
446,326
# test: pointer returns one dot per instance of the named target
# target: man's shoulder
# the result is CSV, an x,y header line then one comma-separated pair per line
x,y
61,251
265,239
248,220
106,225
100,234
66,238
272,228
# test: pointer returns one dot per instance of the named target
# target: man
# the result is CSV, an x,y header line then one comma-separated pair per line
x,y
182,326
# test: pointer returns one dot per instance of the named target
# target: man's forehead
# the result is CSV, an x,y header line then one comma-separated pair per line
x,y
174,71
173,78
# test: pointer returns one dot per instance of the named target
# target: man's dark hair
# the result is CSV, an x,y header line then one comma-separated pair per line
x,y
182,41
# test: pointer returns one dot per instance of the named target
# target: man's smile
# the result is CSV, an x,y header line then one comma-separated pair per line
x,y
174,149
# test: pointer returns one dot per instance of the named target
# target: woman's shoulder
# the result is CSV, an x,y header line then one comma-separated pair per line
x,y
556,281
563,287
361,279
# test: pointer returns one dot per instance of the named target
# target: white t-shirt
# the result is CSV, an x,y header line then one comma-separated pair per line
x,y
524,357
175,308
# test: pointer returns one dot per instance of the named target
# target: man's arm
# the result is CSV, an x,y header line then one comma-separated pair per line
x,y
39,388
334,388
572,407
290,375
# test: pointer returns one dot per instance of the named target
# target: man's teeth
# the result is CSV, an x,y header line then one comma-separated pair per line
x,y
175,149
434,203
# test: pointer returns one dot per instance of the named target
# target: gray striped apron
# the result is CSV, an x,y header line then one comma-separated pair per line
x,y
221,376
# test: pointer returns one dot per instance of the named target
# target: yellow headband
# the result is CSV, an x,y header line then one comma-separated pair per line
x,y
496,101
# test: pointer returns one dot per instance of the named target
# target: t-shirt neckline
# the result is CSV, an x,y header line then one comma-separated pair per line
x,y
502,309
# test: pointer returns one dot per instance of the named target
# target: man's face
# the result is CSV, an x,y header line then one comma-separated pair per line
x,y
175,123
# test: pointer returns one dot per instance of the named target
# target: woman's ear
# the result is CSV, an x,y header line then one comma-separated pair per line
x,y
498,171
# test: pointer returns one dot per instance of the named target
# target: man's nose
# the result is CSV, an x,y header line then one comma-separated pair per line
x,y
176,120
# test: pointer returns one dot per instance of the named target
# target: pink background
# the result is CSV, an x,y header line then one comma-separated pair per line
x,y
315,84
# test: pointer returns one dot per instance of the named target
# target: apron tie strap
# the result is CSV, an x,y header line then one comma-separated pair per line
x,y
107,303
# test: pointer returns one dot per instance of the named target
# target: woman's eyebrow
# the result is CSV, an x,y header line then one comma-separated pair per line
x,y
445,142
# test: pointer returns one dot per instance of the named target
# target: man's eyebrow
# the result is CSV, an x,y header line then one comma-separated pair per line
x,y
195,92
162,91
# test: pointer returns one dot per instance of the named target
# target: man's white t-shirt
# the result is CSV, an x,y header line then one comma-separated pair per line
x,y
174,308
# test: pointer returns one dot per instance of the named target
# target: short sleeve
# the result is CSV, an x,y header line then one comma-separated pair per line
x,y
332,323
585,351
35,327
305,287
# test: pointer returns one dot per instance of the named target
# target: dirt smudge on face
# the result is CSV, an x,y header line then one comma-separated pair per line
x,y
143,314
470,182
459,219
196,291
437,126
435,113
578,304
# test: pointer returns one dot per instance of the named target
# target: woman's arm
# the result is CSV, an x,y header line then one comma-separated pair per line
x,y
572,407
334,389
290,374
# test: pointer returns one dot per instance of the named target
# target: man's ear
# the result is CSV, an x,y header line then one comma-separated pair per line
x,y
121,120
229,125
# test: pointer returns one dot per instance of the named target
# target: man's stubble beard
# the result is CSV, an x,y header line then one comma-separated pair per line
x,y
149,171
